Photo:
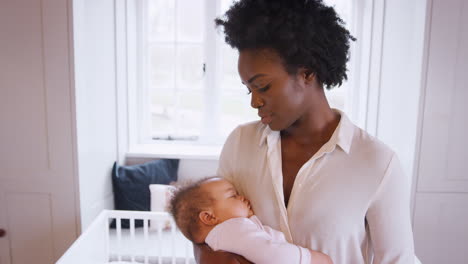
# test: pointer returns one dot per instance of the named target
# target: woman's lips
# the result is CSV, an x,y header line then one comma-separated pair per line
x,y
266,119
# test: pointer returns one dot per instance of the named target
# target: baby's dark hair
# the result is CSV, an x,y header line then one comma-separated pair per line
x,y
305,34
186,204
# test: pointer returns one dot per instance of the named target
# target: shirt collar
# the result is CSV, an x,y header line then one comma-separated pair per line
x,y
344,132
265,134
343,135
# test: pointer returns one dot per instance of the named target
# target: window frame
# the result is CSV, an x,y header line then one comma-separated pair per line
x,y
137,143
211,93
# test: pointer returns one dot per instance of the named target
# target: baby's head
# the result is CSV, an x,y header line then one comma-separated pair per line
x,y
199,207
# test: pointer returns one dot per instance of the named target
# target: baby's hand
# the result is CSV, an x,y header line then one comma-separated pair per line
x,y
250,211
248,206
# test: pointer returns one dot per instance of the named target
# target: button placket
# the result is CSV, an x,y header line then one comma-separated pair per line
x,y
274,164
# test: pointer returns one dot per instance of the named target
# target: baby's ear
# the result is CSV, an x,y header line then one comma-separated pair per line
x,y
208,218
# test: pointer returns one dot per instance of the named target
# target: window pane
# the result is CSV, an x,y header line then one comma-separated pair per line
x,y
235,102
161,14
189,67
190,20
161,67
178,114
236,110
229,75
176,103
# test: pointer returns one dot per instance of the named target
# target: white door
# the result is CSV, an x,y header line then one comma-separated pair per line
x,y
37,160
441,208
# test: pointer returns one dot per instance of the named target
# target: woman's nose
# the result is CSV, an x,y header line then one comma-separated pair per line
x,y
255,101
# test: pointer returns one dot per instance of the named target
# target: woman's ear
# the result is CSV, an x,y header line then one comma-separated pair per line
x,y
307,75
208,218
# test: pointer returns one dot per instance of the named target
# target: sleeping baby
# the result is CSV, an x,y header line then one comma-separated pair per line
x,y
211,211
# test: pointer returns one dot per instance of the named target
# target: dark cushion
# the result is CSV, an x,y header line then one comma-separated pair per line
x,y
131,185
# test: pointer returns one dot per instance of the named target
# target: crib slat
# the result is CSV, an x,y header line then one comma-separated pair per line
x,y
119,238
145,232
173,234
107,239
132,237
160,242
151,244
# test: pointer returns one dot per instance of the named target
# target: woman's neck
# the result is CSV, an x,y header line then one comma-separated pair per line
x,y
317,124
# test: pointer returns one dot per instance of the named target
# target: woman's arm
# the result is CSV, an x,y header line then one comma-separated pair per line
x,y
245,237
389,218
204,255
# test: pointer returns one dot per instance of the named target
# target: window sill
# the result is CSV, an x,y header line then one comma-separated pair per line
x,y
175,151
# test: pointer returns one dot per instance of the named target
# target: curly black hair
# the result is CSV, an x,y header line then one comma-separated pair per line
x,y
305,34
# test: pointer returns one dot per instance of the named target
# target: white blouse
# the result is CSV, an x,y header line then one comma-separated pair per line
x,y
351,200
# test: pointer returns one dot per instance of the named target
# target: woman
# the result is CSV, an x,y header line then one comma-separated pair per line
x,y
307,170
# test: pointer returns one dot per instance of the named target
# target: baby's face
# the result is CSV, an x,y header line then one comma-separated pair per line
x,y
228,203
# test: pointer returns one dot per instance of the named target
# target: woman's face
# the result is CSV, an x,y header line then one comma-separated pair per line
x,y
279,97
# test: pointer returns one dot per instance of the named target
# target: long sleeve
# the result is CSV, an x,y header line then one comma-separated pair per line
x,y
389,218
243,237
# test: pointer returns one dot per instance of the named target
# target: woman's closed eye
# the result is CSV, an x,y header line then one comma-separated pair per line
x,y
261,90
264,89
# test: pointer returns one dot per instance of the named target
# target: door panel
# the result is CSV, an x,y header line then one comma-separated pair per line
x,y
441,211
443,163
37,157
30,227
23,102
4,241
441,233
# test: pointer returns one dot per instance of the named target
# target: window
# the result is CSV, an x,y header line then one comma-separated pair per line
x,y
188,88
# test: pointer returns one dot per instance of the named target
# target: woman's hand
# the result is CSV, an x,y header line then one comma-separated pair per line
x,y
320,258
205,255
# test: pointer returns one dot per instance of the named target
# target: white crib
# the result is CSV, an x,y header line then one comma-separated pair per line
x,y
158,241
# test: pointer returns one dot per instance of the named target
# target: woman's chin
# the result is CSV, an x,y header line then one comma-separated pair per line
x,y
274,126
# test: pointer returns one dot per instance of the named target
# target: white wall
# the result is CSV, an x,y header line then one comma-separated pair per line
x,y
95,103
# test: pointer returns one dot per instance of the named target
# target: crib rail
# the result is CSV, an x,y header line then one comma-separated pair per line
x,y
157,241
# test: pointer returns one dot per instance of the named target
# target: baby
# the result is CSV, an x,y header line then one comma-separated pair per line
x,y
211,211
